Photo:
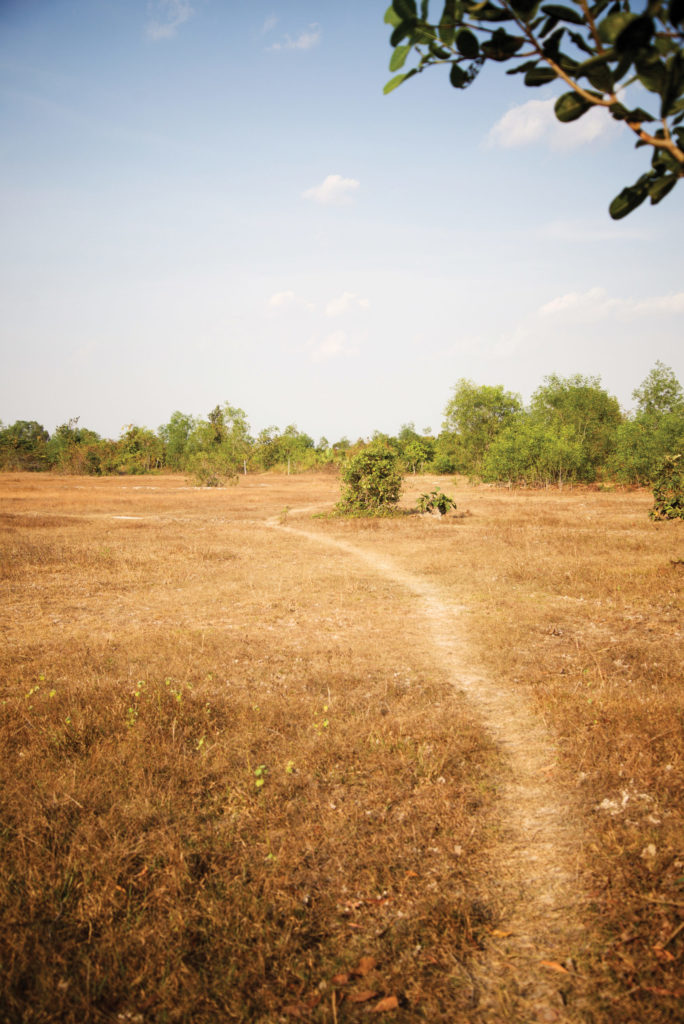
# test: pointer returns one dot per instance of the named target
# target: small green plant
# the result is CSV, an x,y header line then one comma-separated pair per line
x,y
436,501
371,483
668,489
260,776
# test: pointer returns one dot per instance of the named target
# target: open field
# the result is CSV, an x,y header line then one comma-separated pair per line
x,y
260,766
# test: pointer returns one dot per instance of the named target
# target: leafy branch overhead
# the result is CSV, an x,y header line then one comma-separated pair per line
x,y
597,50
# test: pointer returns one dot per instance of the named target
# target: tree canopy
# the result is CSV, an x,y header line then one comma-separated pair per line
x,y
597,50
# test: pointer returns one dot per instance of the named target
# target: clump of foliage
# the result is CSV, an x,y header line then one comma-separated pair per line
x,y
668,490
371,483
435,501
594,49
211,469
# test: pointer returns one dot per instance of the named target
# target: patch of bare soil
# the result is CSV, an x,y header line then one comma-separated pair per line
x,y
527,970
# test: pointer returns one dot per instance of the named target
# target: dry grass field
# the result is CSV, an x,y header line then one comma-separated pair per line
x,y
262,766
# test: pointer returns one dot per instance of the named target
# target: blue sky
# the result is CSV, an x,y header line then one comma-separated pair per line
x,y
211,200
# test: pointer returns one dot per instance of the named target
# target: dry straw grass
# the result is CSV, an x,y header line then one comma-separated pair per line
x,y
237,784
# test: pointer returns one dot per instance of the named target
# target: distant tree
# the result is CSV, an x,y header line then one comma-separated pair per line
x,y
596,49
225,436
581,410
175,436
23,445
74,449
140,450
660,394
655,430
476,414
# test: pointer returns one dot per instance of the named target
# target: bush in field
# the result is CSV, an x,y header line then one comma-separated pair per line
x,y
212,469
668,490
436,501
371,483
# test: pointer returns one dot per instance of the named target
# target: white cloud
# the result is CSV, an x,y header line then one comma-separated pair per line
x,y
334,191
535,121
167,16
288,300
344,303
269,24
304,41
333,345
596,304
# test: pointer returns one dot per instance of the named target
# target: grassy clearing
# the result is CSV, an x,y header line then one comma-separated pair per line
x,y
231,788
235,784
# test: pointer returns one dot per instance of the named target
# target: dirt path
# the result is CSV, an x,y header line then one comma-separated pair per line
x,y
534,872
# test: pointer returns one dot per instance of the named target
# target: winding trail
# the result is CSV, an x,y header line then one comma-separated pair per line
x,y
526,973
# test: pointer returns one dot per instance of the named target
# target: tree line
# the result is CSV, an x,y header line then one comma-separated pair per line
x,y
572,431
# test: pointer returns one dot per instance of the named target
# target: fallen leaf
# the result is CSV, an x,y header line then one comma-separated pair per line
x,y
501,934
411,874
361,997
553,965
388,1003
664,954
340,979
366,965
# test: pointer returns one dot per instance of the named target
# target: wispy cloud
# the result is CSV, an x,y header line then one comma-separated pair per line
x,y
166,16
344,303
288,300
535,122
269,24
597,304
332,347
333,191
306,40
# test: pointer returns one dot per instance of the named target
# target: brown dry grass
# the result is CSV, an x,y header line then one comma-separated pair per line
x,y
151,665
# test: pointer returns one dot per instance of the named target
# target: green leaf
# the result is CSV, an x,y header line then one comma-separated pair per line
x,y
652,73
403,29
580,42
393,83
399,56
405,8
674,85
501,46
636,35
563,13
628,199
540,76
458,77
522,67
391,17
599,60
611,27
570,106
661,186
467,44
601,78
525,9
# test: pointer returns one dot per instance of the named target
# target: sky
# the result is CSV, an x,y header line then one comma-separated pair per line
x,y
209,201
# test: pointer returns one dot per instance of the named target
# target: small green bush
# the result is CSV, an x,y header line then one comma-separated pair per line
x,y
371,483
436,501
668,489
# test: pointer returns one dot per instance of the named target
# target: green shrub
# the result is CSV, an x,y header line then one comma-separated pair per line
x,y
211,469
668,489
371,483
